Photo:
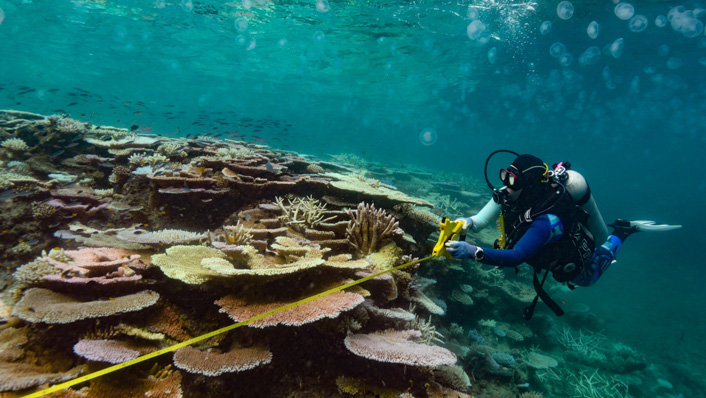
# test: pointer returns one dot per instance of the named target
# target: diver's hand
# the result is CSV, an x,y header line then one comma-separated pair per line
x,y
467,223
461,250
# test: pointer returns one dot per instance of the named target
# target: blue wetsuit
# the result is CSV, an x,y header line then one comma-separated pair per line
x,y
546,229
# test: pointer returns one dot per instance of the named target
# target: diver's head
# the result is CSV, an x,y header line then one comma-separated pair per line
x,y
526,173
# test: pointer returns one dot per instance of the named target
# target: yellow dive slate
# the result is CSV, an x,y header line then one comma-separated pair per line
x,y
450,230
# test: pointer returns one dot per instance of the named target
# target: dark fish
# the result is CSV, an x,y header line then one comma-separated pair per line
x,y
70,184
57,153
72,145
53,90
72,104
59,111
134,127
33,242
76,138
27,91
107,164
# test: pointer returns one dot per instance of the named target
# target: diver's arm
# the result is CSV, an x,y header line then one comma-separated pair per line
x,y
486,216
538,234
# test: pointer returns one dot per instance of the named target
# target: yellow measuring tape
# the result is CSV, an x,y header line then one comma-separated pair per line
x,y
157,353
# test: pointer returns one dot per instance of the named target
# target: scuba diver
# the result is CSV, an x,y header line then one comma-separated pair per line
x,y
548,219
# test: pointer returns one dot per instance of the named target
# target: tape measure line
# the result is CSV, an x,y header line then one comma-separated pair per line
x,y
228,328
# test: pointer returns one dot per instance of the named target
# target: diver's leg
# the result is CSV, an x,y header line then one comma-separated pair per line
x,y
602,258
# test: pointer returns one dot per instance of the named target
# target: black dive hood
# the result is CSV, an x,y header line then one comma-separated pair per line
x,y
499,194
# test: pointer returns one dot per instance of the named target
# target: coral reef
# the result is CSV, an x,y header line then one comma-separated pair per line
x,y
117,244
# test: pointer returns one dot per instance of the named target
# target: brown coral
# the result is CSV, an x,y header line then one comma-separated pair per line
x,y
369,227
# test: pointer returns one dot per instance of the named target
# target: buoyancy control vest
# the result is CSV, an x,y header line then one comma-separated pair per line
x,y
566,257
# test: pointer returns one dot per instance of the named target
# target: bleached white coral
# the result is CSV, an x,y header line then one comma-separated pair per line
x,y
235,153
137,159
15,145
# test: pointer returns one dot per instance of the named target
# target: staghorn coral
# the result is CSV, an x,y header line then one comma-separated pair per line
x,y
396,346
429,333
235,153
302,213
237,234
369,227
213,363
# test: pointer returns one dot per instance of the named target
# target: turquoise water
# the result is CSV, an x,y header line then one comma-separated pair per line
x,y
435,84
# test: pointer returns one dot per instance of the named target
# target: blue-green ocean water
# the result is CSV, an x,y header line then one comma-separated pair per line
x,y
381,79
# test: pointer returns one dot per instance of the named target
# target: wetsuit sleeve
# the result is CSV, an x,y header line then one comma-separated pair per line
x,y
488,214
542,231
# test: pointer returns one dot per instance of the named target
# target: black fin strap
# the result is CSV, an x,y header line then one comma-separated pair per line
x,y
529,310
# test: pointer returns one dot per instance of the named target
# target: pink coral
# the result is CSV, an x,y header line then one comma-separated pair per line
x,y
329,306
398,347
215,363
110,351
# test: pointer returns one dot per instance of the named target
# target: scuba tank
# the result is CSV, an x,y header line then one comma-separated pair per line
x,y
580,192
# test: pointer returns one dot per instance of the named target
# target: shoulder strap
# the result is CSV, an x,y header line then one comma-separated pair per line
x,y
538,287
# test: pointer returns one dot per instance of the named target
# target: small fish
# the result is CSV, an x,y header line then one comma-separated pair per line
x,y
57,153
72,145
107,164
72,104
33,242
134,127
53,90
206,200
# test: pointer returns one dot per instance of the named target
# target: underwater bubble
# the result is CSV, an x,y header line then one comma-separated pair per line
x,y
661,21
483,39
282,42
624,11
635,85
428,136
692,28
663,50
241,24
545,27
472,12
702,61
593,29
247,4
616,49
649,70
492,55
565,10
159,4
556,49
590,56
638,23
566,59
187,5
674,63
240,40
322,6
251,44
2,15
318,36
475,29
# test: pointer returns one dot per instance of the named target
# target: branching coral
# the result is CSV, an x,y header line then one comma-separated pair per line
x,y
429,333
302,213
369,227
15,145
237,234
